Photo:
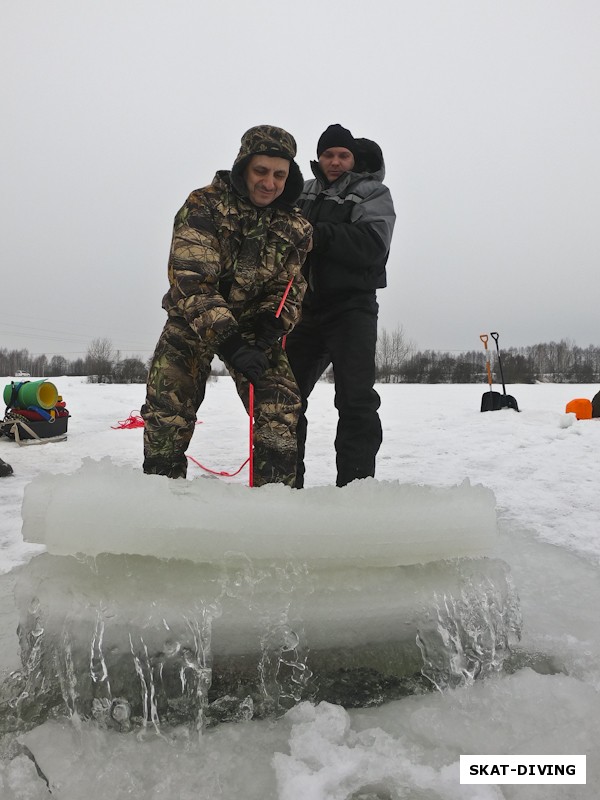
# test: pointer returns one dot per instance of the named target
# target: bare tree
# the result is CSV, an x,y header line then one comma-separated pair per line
x,y
13,360
393,349
130,370
58,366
100,359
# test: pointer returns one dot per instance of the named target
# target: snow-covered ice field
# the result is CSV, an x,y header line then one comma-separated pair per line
x,y
541,464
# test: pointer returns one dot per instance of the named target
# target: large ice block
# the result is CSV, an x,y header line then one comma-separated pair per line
x,y
104,508
186,634
162,600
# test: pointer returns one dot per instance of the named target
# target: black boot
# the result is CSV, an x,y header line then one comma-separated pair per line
x,y
5,469
172,469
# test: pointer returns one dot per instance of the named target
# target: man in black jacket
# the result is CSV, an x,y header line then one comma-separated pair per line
x,y
353,217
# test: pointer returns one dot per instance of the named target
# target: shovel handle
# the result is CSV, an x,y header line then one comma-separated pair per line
x,y
488,367
489,373
495,335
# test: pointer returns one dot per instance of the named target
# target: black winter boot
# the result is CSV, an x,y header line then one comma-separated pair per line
x,y
172,469
5,469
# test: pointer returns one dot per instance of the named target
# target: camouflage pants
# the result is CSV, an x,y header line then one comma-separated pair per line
x,y
176,386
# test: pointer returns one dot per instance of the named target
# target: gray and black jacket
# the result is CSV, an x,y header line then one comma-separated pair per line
x,y
353,221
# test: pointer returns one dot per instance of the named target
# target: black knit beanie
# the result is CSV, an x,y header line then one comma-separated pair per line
x,y
336,136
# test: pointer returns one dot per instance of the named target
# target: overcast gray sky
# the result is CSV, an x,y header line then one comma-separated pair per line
x,y
488,113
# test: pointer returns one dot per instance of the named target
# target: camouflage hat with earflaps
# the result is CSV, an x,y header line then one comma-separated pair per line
x,y
269,140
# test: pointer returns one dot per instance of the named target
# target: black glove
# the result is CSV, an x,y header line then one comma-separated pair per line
x,y
244,358
268,330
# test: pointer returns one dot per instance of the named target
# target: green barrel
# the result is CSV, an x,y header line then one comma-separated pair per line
x,y
32,393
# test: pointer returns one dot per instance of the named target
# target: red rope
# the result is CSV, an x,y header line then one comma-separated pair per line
x,y
134,420
251,444
222,473
249,460
284,298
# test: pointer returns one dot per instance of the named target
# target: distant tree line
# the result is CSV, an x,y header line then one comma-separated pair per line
x,y
102,364
397,361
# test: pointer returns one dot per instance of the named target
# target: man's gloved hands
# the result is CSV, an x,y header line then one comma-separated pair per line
x,y
268,330
250,361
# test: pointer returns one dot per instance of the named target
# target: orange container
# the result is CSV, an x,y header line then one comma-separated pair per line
x,y
581,407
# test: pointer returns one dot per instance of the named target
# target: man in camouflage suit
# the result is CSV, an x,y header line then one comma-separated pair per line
x,y
236,245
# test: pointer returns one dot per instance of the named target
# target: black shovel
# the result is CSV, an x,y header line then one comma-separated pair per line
x,y
508,401
490,401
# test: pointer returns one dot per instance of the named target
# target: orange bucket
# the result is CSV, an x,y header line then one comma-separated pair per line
x,y
581,407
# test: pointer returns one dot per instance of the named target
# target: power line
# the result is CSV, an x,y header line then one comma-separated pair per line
x,y
51,333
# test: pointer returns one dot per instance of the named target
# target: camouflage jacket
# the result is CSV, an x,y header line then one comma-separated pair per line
x,y
231,261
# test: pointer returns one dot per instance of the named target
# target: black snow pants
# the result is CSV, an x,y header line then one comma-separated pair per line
x,y
344,335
